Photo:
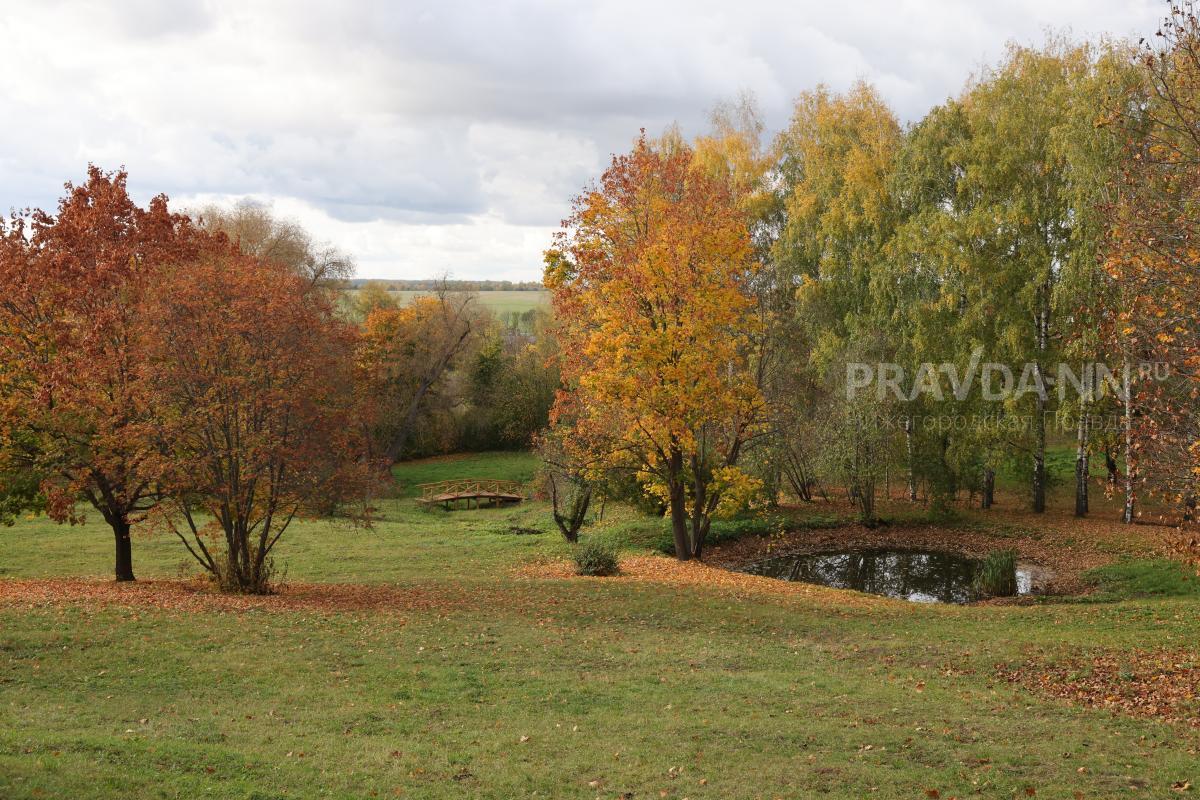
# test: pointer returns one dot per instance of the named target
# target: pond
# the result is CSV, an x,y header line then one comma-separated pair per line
x,y
921,576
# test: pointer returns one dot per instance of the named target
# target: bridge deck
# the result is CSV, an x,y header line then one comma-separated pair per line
x,y
492,492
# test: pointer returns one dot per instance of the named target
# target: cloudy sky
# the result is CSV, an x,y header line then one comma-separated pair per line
x,y
447,137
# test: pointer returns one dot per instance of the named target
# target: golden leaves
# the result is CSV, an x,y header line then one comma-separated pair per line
x,y
648,279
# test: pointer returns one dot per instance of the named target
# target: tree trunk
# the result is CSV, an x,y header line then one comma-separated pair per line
x,y
570,511
1042,321
699,504
1082,436
912,461
699,536
989,487
1130,473
678,505
866,504
679,523
124,560
1081,484
1039,458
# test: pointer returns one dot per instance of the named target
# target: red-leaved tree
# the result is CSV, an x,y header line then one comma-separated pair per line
x,y
73,398
254,372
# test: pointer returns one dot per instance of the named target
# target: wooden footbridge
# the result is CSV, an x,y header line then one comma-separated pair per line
x,y
470,490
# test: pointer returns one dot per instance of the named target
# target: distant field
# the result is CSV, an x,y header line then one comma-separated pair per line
x,y
501,303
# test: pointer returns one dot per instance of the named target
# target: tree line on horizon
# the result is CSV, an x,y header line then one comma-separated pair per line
x,y
440,284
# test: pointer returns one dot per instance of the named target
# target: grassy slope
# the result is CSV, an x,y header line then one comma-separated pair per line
x,y
613,682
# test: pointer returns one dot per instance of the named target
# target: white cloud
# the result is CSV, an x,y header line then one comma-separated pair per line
x,y
430,136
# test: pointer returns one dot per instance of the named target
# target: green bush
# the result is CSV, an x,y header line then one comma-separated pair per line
x,y
997,575
596,558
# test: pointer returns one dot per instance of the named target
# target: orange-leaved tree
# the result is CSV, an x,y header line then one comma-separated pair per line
x,y
73,399
255,373
650,284
406,354
1154,260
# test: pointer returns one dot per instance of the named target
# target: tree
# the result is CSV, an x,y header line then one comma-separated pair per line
x,y
1153,261
933,319
371,297
835,161
406,354
999,195
259,233
649,280
1029,218
1092,150
255,375
511,378
73,394
852,446
570,481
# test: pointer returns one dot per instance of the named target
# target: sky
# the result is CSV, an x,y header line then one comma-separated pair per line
x,y
447,138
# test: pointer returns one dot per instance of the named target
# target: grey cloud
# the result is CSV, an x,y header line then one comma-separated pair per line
x,y
392,119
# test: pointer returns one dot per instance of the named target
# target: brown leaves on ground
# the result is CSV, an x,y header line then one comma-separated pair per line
x,y
199,595
1164,684
672,572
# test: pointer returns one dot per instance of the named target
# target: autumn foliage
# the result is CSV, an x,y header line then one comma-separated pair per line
x,y
405,354
254,376
649,280
148,365
78,409
1154,261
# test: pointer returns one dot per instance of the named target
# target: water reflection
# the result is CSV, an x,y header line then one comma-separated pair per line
x,y
922,576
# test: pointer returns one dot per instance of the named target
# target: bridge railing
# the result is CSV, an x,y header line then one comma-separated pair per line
x,y
464,487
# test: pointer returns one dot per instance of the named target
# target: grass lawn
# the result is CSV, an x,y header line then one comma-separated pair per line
x,y
464,678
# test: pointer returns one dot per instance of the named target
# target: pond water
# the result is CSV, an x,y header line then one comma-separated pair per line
x,y
922,576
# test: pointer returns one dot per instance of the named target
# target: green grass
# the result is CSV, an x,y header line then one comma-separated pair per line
x,y
643,688
1060,470
501,303
997,574
1141,578
512,466
407,541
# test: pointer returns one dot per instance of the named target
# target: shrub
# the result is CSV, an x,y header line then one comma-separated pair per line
x,y
997,575
596,558
265,580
